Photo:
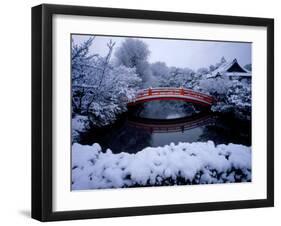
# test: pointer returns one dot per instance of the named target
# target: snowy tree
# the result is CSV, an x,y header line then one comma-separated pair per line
x,y
159,69
103,89
111,99
81,64
239,96
212,68
202,71
231,95
222,61
248,67
217,65
133,53
160,72
215,86
99,77
181,77
81,59
172,76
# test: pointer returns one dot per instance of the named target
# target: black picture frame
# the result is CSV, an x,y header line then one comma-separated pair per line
x,y
42,95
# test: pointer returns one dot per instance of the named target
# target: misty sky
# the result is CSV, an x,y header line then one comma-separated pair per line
x,y
179,53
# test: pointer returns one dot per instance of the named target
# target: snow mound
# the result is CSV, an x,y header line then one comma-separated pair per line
x,y
185,163
79,124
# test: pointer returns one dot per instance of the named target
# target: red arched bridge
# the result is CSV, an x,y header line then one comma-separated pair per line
x,y
172,93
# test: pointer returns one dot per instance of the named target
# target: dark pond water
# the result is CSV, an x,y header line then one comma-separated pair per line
x,y
157,124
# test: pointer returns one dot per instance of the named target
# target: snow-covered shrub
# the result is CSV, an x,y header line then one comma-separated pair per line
x,y
79,124
215,86
185,163
240,96
231,95
179,77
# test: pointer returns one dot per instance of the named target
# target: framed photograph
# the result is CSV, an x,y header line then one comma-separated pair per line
x,y
146,112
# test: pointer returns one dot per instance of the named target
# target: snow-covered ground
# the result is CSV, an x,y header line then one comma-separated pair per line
x,y
185,163
79,124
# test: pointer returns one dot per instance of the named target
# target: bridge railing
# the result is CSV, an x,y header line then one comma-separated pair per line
x,y
159,91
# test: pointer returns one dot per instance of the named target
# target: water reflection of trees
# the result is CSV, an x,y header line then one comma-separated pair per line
x,y
228,130
132,134
172,125
119,139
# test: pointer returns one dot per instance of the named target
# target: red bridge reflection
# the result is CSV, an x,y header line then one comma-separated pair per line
x,y
172,125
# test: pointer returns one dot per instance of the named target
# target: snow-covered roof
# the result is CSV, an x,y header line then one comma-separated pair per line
x,y
232,68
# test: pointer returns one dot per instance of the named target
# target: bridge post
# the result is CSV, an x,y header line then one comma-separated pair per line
x,y
181,91
149,91
182,129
